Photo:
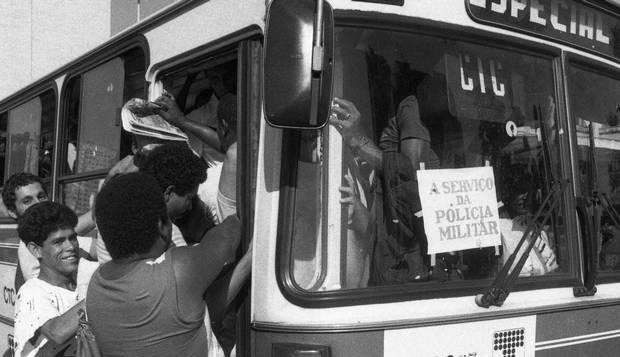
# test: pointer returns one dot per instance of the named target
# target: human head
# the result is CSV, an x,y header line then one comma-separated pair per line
x,y
130,212
518,187
21,191
47,229
178,172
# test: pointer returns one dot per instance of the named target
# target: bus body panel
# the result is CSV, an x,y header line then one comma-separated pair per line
x,y
8,269
587,332
199,27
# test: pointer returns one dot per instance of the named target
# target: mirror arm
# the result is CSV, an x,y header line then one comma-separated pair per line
x,y
317,44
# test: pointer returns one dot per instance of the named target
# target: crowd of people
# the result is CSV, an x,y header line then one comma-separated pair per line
x,y
166,248
162,276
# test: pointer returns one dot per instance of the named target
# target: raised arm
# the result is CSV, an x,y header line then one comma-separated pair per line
x,y
346,118
171,113
196,267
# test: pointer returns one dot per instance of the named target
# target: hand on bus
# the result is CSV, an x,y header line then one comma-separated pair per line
x,y
345,117
357,214
169,110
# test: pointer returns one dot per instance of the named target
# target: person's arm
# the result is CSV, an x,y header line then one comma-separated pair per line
x,y
346,118
222,292
228,179
414,136
171,112
85,224
62,328
357,215
413,148
196,267
239,276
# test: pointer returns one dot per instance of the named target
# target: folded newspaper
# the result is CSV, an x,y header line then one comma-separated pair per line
x,y
139,117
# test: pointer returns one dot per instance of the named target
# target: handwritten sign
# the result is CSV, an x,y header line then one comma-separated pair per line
x,y
460,208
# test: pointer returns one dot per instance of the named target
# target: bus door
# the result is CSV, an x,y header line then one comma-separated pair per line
x,y
221,90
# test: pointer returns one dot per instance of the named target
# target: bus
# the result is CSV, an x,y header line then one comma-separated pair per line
x,y
417,177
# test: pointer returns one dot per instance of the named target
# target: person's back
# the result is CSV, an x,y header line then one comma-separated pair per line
x,y
148,300
144,301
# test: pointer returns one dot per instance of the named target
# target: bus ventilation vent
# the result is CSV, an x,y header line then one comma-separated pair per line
x,y
509,343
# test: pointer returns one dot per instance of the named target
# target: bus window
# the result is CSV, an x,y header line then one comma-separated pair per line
x,y
205,92
465,105
93,139
31,136
27,138
594,100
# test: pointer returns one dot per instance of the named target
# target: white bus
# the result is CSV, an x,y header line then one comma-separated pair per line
x,y
364,246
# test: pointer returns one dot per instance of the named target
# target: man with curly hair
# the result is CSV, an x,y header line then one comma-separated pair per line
x,y
148,300
46,311
178,172
23,190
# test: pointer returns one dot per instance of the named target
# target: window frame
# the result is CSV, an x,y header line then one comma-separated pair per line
x,y
138,42
405,292
22,98
597,67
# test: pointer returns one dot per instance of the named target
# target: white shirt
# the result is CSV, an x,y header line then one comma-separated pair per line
x,y
39,301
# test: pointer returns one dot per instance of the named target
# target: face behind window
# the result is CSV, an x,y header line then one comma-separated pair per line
x,y
27,196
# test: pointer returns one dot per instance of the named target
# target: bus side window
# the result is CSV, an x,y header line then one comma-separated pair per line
x,y
93,139
594,102
27,138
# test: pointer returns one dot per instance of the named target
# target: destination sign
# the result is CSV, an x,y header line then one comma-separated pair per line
x,y
568,21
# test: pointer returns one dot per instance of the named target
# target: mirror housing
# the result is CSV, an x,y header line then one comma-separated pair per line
x,y
296,96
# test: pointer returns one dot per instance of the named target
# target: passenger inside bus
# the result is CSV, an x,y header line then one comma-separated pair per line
x,y
514,220
404,144
212,130
132,217
46,311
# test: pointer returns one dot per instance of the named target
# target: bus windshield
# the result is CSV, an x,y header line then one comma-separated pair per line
x,y
425,102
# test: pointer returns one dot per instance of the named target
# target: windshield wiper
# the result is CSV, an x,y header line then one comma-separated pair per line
x,y
589,211
504,281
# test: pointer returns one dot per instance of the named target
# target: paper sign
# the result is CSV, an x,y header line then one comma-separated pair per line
x,y
459,208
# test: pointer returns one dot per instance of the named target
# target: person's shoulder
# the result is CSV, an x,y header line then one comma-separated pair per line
x,y
34,284
35,288
407,108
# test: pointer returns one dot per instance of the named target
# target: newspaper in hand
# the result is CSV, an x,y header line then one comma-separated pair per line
x,y
140,117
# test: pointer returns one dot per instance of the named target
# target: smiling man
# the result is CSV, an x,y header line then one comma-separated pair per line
x,y
46,311
23,190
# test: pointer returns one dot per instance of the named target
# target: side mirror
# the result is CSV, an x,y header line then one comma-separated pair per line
x,y
297,92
